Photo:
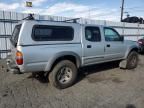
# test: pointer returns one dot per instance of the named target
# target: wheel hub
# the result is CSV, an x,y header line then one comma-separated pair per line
x,y
65,75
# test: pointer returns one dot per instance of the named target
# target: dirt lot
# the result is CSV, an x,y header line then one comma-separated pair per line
x,y
100,86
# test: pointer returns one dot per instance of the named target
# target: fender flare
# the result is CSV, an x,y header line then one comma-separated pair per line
x,y
130,49
52,59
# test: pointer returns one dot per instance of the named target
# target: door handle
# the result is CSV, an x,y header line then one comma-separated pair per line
x,y
89,46
108,45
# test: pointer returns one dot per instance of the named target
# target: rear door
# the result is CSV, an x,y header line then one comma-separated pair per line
x,y
93,46
114,46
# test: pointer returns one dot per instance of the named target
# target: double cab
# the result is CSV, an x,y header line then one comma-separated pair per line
x,y
59,49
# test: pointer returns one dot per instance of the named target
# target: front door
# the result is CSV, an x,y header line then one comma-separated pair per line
x,y
114,46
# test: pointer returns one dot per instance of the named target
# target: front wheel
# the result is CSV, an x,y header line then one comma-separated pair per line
x,y
63,75
132,60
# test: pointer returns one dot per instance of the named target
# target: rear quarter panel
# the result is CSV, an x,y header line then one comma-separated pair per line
x,y
41,58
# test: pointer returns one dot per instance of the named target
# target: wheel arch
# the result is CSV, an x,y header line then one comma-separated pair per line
x,y
134,48
75,58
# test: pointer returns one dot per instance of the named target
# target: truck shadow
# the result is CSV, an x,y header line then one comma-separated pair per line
x,y
142,53
82,72
85,71
40,77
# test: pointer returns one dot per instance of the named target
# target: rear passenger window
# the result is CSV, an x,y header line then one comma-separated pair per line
x,y
92,34
52,33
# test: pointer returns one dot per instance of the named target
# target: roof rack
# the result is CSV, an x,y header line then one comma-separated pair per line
x,y
73,20
29,17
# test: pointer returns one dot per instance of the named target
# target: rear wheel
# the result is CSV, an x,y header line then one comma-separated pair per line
x,y
63,75
132,60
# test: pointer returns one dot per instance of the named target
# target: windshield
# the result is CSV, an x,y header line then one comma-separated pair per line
x,y
15,34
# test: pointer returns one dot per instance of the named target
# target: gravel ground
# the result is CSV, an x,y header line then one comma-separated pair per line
x,y
99,86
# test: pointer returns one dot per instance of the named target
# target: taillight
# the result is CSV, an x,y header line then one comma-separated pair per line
x,y
19,58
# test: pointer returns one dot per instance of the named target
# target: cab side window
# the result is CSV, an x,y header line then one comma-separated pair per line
x,y
92,34
111,35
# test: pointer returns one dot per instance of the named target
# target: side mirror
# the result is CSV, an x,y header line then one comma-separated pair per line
x,y
121,38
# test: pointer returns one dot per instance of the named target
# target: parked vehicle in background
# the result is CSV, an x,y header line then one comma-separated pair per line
x,y
133,19
141,44
60,48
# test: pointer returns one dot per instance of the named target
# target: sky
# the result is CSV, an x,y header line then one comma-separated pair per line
x,y
92,9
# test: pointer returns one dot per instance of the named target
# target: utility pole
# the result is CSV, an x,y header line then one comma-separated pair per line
x,y
122,10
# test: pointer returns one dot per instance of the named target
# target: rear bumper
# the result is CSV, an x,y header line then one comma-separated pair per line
x,y
12,67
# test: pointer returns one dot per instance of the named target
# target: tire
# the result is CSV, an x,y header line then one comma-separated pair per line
x,y
63,75
132,60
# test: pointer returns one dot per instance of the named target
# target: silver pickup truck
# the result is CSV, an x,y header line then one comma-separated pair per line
x,y
60,48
